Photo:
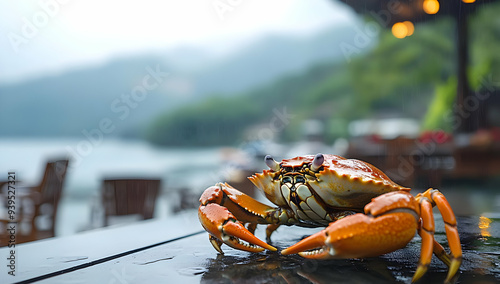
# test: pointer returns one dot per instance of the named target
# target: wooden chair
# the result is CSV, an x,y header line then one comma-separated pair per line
x,y
36,206
129,196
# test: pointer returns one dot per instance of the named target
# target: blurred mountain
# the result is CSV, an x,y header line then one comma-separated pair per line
x,y
396,78
123,94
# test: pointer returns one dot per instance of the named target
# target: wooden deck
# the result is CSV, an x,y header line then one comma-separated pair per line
x,y
176,250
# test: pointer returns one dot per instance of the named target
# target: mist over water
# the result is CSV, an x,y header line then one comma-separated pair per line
x,y
112,158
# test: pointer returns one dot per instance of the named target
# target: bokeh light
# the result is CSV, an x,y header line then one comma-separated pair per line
x,y
431,6
400,30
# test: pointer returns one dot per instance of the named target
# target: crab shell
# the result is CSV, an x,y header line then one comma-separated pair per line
x,y
339,184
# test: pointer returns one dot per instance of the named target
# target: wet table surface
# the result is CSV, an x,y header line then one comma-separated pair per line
x,y
176,250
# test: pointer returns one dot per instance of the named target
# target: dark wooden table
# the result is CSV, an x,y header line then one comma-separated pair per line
x,y
176,250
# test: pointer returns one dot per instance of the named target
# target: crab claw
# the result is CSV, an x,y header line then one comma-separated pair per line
x,y
224,228
358,236
314,246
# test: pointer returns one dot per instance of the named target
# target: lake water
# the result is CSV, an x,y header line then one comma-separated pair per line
x,y
194,169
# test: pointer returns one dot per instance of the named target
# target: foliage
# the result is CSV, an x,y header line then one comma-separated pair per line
x,y
214,122
484,33
441,105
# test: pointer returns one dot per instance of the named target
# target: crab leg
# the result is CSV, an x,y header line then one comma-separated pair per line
x,y
454,259
223,211
426,232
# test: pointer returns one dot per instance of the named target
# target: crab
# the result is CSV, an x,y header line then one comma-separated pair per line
x,y
365,213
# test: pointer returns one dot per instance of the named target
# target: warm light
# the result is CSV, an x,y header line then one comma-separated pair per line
x,y
484,225
432,6
399,30
468,1
409,27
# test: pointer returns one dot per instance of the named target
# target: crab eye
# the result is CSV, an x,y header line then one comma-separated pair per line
x,y
271,163
317,162
287,180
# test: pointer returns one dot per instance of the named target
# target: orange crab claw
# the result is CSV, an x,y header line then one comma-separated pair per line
x,y
316,241
358,236
224,228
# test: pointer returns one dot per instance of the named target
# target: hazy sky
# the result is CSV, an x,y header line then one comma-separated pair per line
x,y
44,36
